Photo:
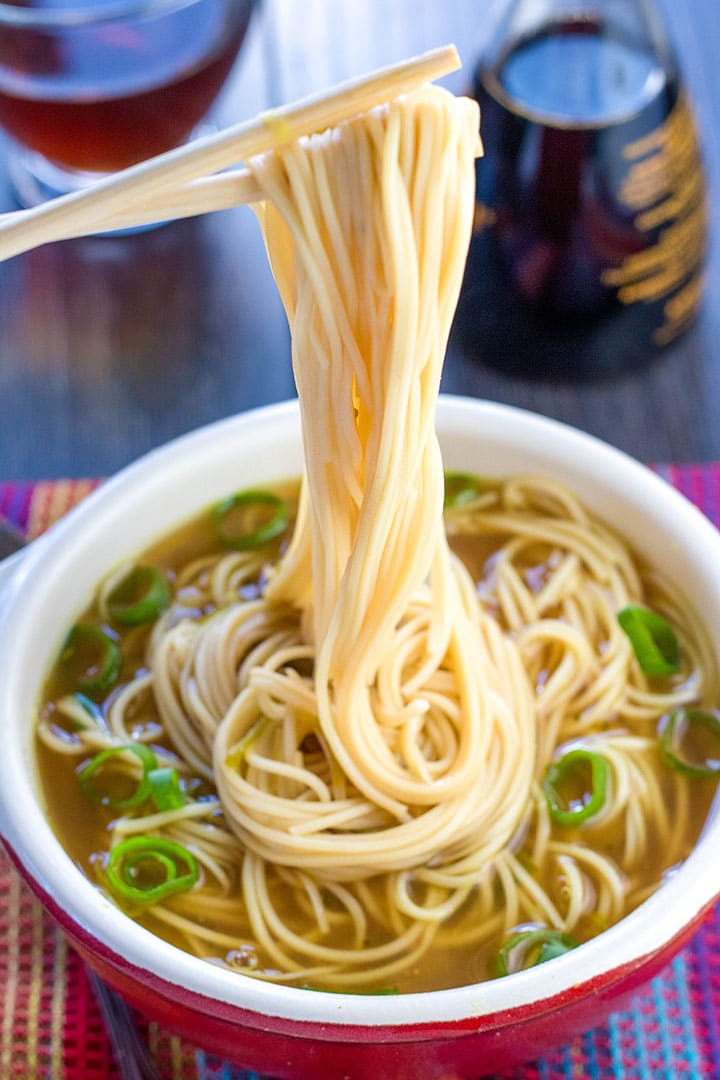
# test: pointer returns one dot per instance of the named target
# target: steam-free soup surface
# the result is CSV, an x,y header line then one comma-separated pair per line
x,y
558,883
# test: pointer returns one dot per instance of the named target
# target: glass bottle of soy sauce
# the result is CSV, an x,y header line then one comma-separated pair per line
x,y
590,225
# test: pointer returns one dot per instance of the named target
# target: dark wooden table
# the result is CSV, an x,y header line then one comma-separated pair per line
x,y
111,346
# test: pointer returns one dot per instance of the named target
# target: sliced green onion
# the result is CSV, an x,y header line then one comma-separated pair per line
x,y
679,730
93,790
461,488
653,640
148,869
528,948
572,795
90,657
238,751
249,519
93,711
139,597
165,788
81,710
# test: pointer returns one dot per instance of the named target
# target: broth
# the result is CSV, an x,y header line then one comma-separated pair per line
x,y
466,946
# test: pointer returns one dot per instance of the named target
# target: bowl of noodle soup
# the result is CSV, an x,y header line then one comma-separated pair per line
x,y
373,733
286,1030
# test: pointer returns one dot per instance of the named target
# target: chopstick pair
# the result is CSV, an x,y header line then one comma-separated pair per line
x,y
183,182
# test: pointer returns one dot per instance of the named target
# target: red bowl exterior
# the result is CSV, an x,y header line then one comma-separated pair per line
x,y
296,1050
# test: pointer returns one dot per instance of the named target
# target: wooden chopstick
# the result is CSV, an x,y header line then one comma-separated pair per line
x,y
201,196
149,188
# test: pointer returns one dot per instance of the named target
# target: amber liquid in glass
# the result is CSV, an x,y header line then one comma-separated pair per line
x,y
587,253
104,98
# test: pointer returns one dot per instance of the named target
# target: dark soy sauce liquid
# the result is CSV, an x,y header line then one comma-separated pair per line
x,y
589,237
104,97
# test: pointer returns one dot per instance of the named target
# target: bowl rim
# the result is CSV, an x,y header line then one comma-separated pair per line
x,y
643,933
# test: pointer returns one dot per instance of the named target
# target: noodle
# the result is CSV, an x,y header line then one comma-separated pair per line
x,y
371,724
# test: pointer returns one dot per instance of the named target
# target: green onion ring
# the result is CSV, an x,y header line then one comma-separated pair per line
x,y
560,771
276,524
653,640
165,788
92,709
461,488
675,726
81,711
86,776
136,858
139,597
176,862
103,668
534,947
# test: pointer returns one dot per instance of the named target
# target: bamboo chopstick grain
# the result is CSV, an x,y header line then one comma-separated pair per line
x,y
149,187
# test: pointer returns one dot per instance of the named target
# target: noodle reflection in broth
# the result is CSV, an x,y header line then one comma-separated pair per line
x,y
364,712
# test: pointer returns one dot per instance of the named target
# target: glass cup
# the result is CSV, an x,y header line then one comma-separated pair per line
x,y
88,87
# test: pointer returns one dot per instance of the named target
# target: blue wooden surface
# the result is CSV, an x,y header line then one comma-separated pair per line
x,y
108,347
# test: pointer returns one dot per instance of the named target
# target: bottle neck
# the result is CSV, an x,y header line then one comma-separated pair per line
x,y
636,22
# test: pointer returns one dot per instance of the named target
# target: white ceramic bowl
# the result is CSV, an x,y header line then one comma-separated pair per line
x,y
279,1030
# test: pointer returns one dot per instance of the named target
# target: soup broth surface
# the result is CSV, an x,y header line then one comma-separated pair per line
x,y
212,919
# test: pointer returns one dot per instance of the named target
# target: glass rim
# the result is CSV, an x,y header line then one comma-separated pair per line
x,y
75,16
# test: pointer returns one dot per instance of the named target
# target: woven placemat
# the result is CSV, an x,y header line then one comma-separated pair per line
x,y
51,1028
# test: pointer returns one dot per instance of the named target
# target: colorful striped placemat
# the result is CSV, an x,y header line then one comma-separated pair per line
x,y
51,1028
